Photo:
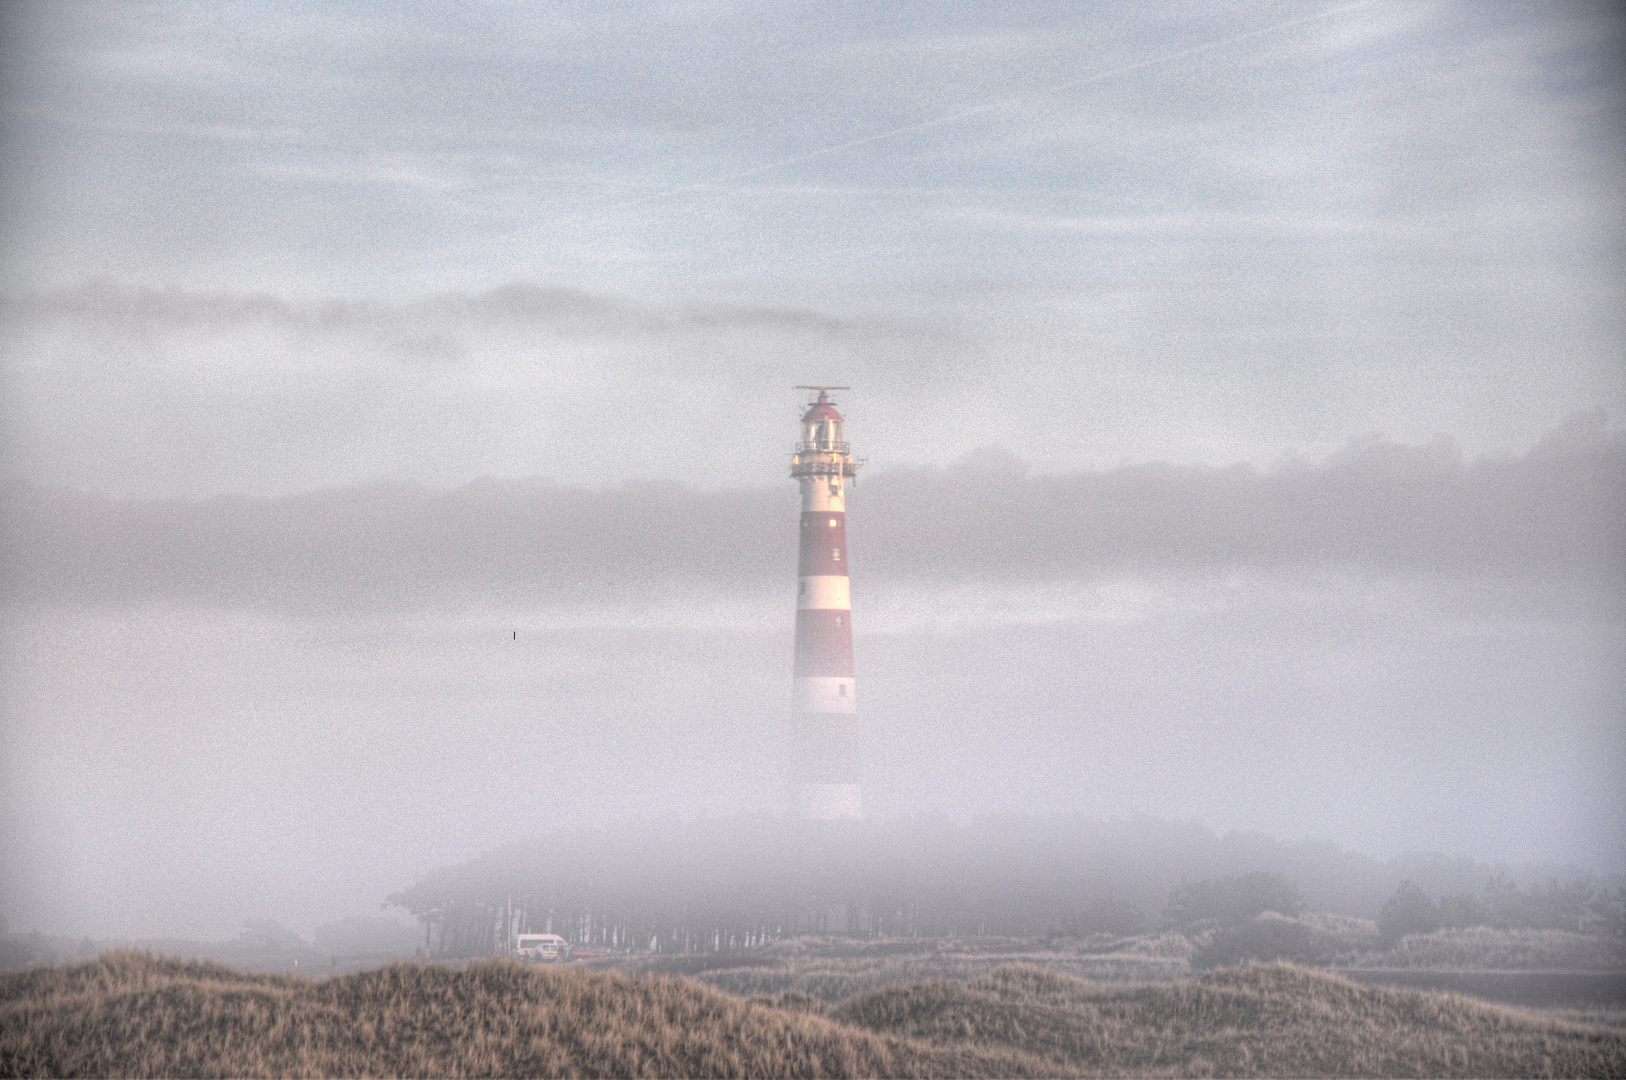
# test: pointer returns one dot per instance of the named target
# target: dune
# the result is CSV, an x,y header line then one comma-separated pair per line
x,y
132,1014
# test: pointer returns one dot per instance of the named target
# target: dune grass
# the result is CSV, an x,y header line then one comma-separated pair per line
x,y
1274,1020
129,1014
1500,949
835,970
1611,1016
836,979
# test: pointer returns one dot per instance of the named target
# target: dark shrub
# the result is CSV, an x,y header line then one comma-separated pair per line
x,y
17,952
1261,940
1232,901
1408,911
1460,911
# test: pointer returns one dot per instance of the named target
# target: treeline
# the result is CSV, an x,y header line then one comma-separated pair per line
x,y
262,944
734,883
1575,905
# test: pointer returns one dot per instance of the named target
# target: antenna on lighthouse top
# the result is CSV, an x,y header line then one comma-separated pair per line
x,y
823,395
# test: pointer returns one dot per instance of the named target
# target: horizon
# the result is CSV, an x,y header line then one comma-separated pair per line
x,y
1233,854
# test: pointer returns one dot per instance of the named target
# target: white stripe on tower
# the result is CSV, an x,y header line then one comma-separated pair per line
x,y
824,738
825,591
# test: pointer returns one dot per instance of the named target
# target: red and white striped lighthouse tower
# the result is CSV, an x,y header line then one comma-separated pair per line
x,y
824,736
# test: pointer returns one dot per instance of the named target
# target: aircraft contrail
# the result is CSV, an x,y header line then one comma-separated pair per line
x,y
1001,103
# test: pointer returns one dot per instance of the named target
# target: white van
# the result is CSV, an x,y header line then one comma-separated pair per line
x,y
541,947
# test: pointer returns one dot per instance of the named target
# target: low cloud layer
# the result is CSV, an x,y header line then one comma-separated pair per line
x,y
1375,508
550,309
151,393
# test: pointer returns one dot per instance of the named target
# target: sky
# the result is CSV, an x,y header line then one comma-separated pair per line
x,y
396,401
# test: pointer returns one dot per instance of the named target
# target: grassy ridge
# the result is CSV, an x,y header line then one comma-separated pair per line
x,y
1255,1021
835,978
129,1014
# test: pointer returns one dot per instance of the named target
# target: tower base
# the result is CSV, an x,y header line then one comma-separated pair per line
x,y
830,802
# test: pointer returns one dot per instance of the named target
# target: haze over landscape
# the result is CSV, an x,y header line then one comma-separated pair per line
x,y
397,407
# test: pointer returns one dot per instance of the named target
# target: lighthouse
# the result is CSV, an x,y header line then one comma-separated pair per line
x,y
824,771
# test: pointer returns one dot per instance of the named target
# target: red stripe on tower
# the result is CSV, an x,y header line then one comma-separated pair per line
x,y
824,644
824,543
824,767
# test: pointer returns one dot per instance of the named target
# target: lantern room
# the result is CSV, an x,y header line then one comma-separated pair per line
x,y
823,450
821,428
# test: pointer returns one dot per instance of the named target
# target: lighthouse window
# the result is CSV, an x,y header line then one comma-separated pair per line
x,y
839,618
841,690
801,588
832,523
836,554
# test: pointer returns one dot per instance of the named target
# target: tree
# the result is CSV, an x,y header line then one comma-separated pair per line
x,y
1460,911
1232,901
1408,911
1261,940
268,935
1607,912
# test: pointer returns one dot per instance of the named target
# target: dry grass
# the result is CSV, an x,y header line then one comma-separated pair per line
x,y
1611,1016
1256,1021
836,979
128,1014
1494,949
835,970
